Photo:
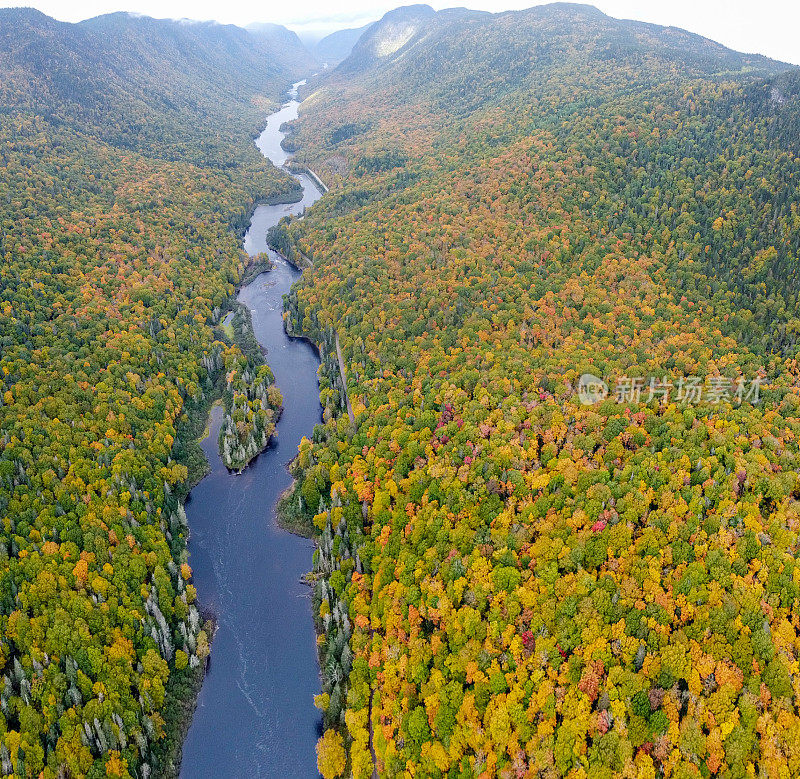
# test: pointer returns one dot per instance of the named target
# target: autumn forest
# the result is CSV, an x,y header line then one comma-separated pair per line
x,y
516,573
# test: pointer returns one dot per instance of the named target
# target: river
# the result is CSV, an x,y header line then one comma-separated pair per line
x,y
255,715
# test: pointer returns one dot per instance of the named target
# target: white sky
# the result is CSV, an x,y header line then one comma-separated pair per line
x,y
770,27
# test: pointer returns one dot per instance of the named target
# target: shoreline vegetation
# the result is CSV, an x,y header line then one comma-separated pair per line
x,y
183,685
280,240
252,402
180,701
260,263
299,167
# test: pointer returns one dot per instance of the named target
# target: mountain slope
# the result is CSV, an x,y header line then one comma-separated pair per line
x,y
540,552
127,174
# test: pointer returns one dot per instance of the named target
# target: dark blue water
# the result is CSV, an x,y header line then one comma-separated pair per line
x,y
255,715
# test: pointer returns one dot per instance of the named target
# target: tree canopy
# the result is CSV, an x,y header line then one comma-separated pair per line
x,y
509,582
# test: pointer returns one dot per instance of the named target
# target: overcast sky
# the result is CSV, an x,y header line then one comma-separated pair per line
x,y
770,27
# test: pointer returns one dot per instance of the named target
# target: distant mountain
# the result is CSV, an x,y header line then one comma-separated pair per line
x,y
387,36
286,46
276,32
333,48
215,49
138,79
399,28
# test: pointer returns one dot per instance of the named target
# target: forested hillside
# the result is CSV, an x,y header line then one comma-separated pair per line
x,y
512,582
127,173
145,84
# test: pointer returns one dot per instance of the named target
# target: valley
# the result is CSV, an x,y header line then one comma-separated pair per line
x,y
501,317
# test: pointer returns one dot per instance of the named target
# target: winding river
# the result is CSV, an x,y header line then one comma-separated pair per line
x,y
255,715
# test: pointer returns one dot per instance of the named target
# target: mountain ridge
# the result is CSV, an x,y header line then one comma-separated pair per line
x,y
447,21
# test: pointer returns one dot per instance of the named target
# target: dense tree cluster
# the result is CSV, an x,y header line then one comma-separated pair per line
x,y
511,583
118,253
252,401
